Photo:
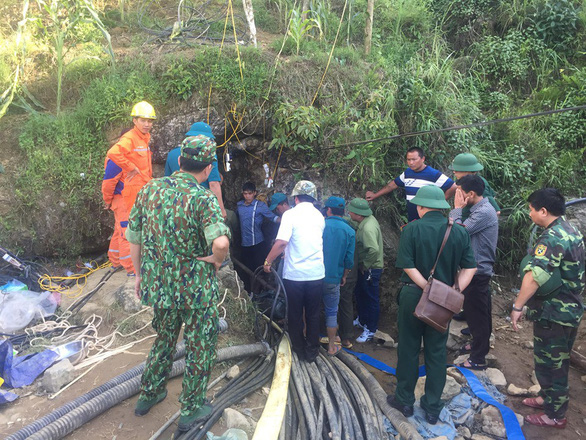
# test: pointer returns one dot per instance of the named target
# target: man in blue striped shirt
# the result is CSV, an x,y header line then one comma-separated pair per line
x,y
416,176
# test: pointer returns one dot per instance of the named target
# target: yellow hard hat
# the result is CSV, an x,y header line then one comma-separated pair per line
x,y
143,110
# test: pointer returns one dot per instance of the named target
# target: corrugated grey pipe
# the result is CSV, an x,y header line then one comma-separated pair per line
x,y
29,430
105,400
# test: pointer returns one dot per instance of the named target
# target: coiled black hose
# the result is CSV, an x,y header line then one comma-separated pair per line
x,y
29,430
74,414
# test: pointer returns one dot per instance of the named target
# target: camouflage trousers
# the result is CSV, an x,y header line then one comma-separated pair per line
x,y
200,334
552,344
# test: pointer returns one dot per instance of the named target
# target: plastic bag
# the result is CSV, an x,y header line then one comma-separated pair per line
x,y
230,434
13,286
19,308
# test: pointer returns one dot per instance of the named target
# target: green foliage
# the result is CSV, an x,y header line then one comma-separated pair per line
x,y
299,27
556,22
64,23
296,127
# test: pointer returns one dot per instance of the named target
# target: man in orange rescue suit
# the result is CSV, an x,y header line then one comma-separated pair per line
x,y
133,156
112,186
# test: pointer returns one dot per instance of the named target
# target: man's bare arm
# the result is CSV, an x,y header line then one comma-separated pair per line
x,y
388,188
216,188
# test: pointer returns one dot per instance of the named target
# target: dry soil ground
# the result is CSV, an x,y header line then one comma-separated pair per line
x,y
119,423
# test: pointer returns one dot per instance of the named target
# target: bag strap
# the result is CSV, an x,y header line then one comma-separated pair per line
x,y
447,234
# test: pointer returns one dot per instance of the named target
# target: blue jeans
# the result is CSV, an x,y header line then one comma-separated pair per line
x,y
367,298
331,299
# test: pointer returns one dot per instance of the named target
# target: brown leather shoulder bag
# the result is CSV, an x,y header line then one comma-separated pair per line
x,y
439,302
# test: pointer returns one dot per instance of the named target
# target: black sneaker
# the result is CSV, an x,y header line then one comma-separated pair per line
x,y
407,410
459,316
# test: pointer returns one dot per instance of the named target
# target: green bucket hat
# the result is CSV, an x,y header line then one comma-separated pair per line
x,y
430,196
465,162
200,147
360,206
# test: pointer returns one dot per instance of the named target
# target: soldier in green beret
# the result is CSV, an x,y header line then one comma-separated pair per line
x,y
178,241
418,249
552,288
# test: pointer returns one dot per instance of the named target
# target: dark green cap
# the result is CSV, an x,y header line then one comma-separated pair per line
x,y
199,147
465,162
430,196
360,206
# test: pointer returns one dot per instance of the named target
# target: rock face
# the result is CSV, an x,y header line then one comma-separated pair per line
x,y
57,376
492,422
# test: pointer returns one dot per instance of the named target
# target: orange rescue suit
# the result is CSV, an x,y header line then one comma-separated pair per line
x,y
132,151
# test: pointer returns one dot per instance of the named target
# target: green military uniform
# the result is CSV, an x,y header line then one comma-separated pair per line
x,y
556,318
369,244
175,219
418,248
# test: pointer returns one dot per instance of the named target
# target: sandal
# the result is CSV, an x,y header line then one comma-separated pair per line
x,y
466,348
544,421
326,340
348,345
532,403
338,350
472,365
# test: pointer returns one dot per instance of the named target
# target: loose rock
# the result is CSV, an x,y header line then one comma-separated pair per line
x,y
235,419
451,389
126,296
233,372
57,376
492,422
496,377
463,431
385,337
528,344
513,390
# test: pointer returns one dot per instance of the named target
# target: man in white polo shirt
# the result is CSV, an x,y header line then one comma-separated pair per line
x,y
300,236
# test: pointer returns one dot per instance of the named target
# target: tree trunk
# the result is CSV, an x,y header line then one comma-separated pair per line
x,y
368,30
250,19
304,8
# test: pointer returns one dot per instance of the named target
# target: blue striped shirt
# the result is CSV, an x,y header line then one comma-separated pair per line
x,y
411,181
251,217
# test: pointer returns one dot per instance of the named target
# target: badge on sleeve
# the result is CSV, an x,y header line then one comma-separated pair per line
x,y
540,250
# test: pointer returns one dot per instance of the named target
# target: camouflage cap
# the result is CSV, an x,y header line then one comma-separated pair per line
x,y
305,187
199,147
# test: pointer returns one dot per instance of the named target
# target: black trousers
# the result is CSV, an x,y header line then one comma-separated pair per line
x,y
478,310
304,296
252,257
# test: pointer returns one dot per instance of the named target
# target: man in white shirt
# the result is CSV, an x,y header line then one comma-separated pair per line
x,y
300,236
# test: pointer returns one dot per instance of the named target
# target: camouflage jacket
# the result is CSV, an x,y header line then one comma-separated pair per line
x,y
561,245
175,220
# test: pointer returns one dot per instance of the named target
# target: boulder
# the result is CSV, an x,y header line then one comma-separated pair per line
x,y
57,376
492,422
464,431
513,390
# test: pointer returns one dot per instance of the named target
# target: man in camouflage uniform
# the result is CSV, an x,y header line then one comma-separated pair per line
x,y
552,288
178,241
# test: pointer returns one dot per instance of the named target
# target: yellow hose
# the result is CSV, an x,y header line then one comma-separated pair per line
x,y
271,420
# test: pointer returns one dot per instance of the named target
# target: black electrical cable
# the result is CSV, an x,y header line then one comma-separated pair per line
x,y
453,128
232,395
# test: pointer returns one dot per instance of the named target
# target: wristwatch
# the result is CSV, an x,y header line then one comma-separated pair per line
x,y
517,309
267,263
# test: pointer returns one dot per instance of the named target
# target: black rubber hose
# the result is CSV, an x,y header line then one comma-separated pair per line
x,y
298,430
306,403
324,397
29,430
76,413
261,375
